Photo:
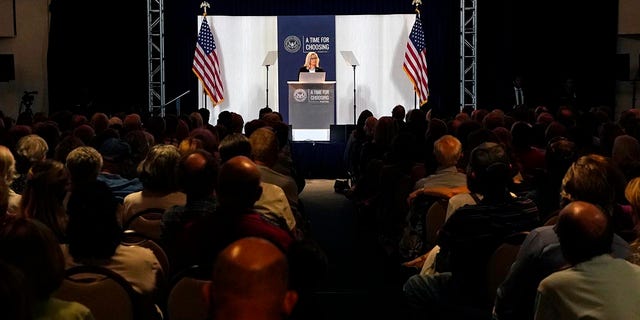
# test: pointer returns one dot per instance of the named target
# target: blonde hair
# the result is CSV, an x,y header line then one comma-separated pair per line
x,y
32,147
632,193
307,60
7,165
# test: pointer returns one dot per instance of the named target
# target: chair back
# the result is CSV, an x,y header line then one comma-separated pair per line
x,y
186,300
107,294
501,260
146,222
552,220
434,220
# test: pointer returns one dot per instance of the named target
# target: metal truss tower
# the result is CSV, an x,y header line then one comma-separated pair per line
x,y
468,53
155,56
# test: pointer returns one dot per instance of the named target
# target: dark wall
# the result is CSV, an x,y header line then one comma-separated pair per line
x,y
97,59
546,42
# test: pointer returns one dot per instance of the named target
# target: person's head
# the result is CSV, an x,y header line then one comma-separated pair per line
x,y
626,150
235,144
157,171
66,145
93,231
99,122
205,114
264,146
593,178
85,133
386,129
632,194
7,165
42,199
131,122
250,280
488,171
312,60
84,165
32,248
31,148
239,184
237,123
522,134
370,126
198,174
139,143
435,129
447,151
50,132
196,120
264,111
253,125
190,144
559,156
398,113
584,232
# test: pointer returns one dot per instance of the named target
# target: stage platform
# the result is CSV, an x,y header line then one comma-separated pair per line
x,y
319,159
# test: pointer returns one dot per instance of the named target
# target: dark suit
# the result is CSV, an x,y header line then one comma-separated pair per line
x,y
304,69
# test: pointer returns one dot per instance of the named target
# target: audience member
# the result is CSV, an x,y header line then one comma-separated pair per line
x,y
29,149
182,226
33,249
591,178
264,149
238,190
597,286
467,240
157,172
626,155
632,194
95,239
447,151
250,280
273,203
7,174
43,198
66,145
357,138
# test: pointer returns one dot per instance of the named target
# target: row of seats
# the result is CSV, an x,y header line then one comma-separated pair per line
x,y
109,296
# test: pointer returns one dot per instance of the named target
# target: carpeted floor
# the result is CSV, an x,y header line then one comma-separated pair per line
x,y
362,281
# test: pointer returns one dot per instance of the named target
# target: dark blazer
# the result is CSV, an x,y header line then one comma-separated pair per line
x,y
304,69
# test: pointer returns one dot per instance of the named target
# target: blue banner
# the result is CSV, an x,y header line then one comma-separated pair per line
x,y
298,35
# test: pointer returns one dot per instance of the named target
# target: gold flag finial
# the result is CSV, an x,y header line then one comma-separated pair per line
x,y
416,3
206,5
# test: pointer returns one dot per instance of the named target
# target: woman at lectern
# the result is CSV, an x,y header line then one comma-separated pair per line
x,y
311,63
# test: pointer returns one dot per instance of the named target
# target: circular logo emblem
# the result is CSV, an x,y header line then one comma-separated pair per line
x,y
292,44
300,95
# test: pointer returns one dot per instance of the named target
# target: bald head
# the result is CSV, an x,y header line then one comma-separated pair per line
x,y
584,232
198,173
239,183
250,277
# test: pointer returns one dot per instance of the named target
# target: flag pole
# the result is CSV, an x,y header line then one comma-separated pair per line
x,y
204,5
416,3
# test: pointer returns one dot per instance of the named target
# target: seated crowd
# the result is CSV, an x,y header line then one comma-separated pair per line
x,y
228,201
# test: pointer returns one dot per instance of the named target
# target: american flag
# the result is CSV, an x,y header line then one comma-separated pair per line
x,y
205,64
415,61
